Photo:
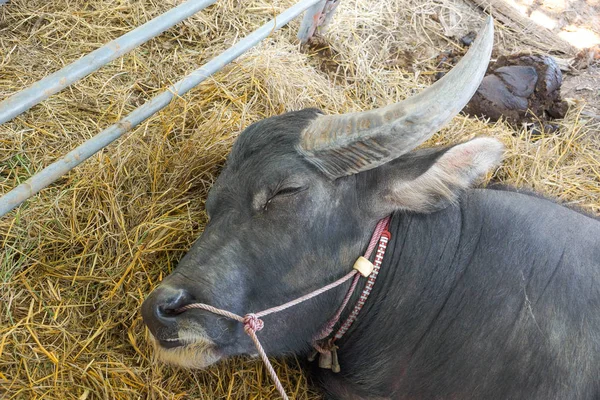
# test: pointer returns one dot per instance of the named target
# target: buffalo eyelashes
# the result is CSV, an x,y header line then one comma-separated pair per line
x,y
285,192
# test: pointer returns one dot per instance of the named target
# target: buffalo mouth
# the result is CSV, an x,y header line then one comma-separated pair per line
x,y
169,343
187,350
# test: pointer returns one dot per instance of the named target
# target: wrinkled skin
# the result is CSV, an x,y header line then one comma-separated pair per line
x,y
497,298
483,294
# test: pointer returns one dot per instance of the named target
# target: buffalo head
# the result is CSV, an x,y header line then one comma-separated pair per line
x,y
295,206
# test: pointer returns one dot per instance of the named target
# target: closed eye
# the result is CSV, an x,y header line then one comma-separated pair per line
x,y
285,192
288,191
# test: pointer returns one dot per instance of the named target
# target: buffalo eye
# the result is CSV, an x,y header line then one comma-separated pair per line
x,y
282,193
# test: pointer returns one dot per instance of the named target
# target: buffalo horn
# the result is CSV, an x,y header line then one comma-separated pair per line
x,y
341,145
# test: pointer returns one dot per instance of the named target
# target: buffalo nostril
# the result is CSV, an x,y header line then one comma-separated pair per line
x,y
160,309
170,302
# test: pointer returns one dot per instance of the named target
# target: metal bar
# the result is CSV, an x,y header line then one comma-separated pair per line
x,y
46,87
329,10
310,21
84,151
316,19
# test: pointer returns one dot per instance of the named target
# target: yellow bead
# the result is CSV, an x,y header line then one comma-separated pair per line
x,y
364,266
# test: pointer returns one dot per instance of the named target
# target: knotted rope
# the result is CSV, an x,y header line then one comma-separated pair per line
x,y
253,323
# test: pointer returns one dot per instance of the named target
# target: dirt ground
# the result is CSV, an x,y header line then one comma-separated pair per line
x,y
77,260
583,85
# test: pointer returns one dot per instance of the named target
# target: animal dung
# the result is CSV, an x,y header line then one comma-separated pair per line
x,y
81,256
468,39
520,88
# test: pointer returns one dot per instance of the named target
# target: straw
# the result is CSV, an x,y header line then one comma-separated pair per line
x,y
78,259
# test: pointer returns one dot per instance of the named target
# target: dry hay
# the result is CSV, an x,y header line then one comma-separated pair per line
x,y
77,260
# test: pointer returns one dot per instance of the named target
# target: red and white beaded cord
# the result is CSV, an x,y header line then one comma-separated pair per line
x,y
381,232
253,323
383,241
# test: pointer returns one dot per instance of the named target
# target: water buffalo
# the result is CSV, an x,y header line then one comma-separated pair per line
x,y
483,293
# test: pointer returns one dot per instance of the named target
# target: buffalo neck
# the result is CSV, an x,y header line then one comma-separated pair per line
x,y
416,275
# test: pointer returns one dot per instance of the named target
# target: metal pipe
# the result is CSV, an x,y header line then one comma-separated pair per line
x,y
46,87
310,21
316,19
75,157
329,10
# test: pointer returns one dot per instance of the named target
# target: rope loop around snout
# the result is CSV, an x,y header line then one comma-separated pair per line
x,y
252,322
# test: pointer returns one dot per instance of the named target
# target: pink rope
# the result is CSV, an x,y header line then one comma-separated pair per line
x,y
381,226
308,296
253,323
383,240
326,331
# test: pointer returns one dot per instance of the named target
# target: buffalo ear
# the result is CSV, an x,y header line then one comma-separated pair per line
x,y
428,180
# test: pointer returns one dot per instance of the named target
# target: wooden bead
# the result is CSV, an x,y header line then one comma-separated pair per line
x,y
364,266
